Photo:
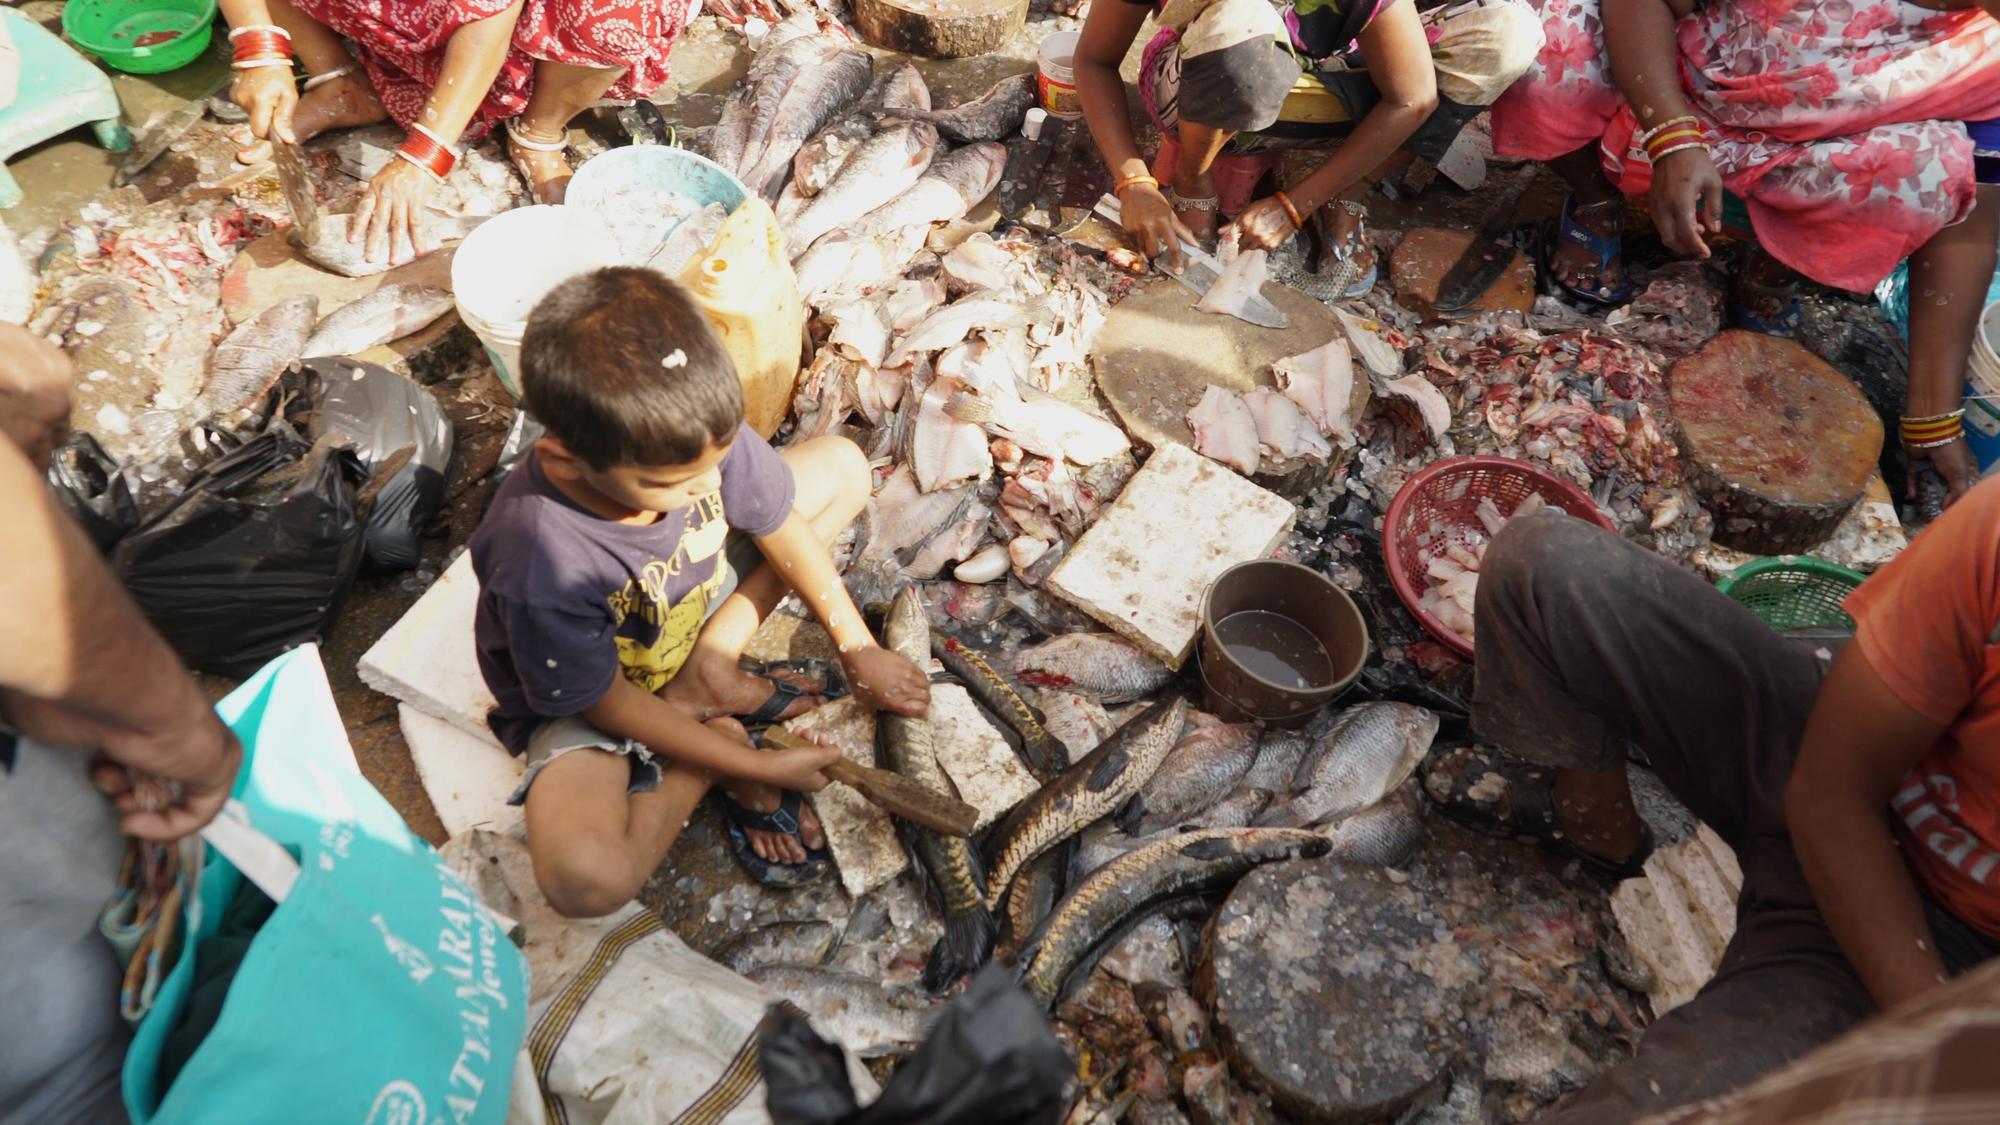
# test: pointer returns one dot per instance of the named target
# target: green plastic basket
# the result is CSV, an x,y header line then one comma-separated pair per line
x,y
1794,591
141,36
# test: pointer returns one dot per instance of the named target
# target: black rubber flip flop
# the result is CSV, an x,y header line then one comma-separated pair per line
x,y
1494,791
783,819
783,691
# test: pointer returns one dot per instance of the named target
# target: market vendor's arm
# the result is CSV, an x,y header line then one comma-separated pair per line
x,y
1645,63
1949,276
267,93
1399,63
883,678
1108,32
81,668
390,214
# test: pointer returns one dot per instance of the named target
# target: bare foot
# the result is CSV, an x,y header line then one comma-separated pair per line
x,y
711,684
344,103
777,847
547,173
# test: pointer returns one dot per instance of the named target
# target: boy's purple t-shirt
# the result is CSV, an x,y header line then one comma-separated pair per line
x,y
568,599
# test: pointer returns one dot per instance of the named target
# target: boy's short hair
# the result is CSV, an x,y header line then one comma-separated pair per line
x,y
624,368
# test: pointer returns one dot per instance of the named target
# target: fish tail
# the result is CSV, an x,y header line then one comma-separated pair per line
x,y
1045,757
966,945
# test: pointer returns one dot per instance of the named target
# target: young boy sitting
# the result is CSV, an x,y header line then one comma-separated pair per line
x,y
619,585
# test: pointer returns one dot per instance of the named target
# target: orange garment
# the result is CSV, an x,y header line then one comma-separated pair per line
x,y
1929,624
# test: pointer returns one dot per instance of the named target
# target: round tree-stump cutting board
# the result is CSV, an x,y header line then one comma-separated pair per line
x,y
1779,445
1157,354
939,29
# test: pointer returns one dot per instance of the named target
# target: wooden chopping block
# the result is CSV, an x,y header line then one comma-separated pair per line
x,y
1778,444
1427,254
271,269
939,29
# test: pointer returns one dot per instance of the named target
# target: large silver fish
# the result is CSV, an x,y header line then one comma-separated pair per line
x,y
1087,791
813,100
1200,770
820,159
951,186
948,862
780,943
251,358
332,250
1190,863
744,127
884,167
1386,833
1278,758
389,313
854,1011
1371,749
1101,664
992,116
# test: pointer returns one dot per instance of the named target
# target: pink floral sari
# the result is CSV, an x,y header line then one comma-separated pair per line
x,y
1838,122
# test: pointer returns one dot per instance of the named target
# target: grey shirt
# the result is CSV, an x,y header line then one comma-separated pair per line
x,y
61,1038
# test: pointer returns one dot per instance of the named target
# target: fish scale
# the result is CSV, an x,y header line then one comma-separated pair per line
x,y
1040,752
1207,762
1125,889
1371,749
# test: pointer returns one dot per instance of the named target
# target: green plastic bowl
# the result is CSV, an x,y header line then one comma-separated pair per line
x,y
1794,591
141,36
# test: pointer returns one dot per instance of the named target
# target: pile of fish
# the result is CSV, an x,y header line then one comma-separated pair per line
x,y
1452,576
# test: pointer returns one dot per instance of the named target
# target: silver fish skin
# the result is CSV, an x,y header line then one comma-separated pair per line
x,y
1200,770
688,240
1087,791
986,312
885,166
780,943
820,159
251,358
1239,808
1278,758
1077,720
951,186
745,124
852,1010
992,116
1101,664
1183,864
1370,750
333,251
389,313
816,98
1386,834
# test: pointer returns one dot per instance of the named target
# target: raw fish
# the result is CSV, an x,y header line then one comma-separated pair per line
x,y
1242,278
950,324
1321,381
1102,664
1283,430
1369,346
884,167
1225,430
744,128
819,160
818,96
945,450
1041,423
951,186
333,251
1430,401
838,264
993,115
389,313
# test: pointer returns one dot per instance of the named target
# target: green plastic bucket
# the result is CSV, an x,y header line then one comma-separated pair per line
x,y
1794,591
141,36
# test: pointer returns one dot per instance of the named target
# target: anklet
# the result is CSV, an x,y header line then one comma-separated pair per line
x,y
334,75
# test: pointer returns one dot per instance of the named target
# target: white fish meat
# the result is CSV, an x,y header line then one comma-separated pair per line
x,y
1371,749
960,540
838,265
819,94
1105,665
952,323
1242,278
884,167
389,313
1321,381
1041,423
952,185
979,263
860,330
1283,430
902,515
1430,402
694,234
1374,352
991,363
820,159
1024,551
987,564
910,301
1225,430
945,450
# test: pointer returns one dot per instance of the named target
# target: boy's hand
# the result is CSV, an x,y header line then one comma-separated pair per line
x,y
887,681
798,768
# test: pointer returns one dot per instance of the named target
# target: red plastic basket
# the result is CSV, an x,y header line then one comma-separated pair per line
x,y
1437,507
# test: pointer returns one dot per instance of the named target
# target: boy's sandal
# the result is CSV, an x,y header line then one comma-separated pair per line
x,y
1488,789
784,691
783,819
1607,247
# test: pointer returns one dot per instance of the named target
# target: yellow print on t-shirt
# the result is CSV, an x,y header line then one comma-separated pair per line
x,y
650,666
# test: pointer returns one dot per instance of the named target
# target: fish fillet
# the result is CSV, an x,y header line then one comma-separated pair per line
x,y
860,329
1370,348
945,450
1429,400
1241,280
1043,424
852,265
978,263
1321,381
1225,430
1284,430
911,301
953,322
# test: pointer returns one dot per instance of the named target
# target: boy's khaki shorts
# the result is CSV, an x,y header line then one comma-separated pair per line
x,y
559,736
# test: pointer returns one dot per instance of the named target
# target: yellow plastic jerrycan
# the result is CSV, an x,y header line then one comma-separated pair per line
x,y
745,283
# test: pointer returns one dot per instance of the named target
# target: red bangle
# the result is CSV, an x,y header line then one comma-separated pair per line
x,y
428,153
256,45
1291,212
1680,136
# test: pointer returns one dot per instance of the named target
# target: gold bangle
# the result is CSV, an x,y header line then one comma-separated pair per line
x,y
1683,119
1947,416
1291,212
1137,178
1663,154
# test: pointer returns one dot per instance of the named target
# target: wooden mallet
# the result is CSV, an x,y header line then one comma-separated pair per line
x,y
891,792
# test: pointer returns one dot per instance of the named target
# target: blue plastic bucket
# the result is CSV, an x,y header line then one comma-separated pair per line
x,y
629,185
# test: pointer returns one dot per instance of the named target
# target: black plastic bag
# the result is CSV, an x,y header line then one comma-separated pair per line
x,y
88,482
255,556
989,1060
381,412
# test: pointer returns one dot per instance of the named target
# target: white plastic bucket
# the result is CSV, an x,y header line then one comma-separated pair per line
x,y
1982,392
510,263
628,191
1055,75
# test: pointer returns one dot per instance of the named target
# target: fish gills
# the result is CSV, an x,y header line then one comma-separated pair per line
x,y
969,929
1125,889
1045,757
1087,791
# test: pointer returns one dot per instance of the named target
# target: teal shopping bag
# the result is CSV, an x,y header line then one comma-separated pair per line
x,y
379,991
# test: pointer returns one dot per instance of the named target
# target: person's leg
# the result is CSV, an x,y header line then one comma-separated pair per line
x,y
339,103
593,842
1194,180
535,142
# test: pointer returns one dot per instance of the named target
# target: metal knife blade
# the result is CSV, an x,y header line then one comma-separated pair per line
x,y
1199,272
297,183
1490,253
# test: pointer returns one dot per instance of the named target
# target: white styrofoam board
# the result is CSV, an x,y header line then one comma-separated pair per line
x,y
427,659
468,777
